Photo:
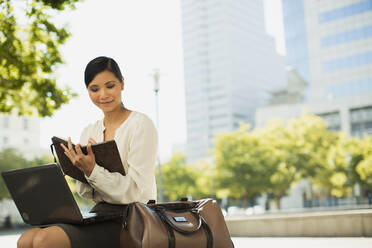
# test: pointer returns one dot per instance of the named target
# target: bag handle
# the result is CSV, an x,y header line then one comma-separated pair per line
x,y
169,225
161,211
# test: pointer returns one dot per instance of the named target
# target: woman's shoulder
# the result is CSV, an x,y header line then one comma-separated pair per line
x,y
140,118
94,127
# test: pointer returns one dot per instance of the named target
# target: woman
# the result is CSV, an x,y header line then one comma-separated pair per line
x,y
136,138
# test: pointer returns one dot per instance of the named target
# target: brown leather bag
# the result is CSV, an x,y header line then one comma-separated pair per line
x,y
182,224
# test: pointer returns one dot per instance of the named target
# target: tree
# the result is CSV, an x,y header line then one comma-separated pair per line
x,y
9,159
243,165
364,166
356,155
178,178
43,159
183,180
320,154
273,158
278,140
29,54
203,175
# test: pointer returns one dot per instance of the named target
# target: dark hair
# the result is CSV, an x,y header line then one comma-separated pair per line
x,y
99,65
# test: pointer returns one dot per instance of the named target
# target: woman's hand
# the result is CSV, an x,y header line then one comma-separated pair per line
x,y
83,162
92,141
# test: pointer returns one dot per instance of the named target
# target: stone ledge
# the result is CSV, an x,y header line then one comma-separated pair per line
x,y
345,223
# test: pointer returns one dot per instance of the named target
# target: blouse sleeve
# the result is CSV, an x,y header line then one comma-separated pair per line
x,y
116,188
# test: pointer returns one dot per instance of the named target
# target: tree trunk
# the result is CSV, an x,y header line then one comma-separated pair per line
x,y
277,201
244,202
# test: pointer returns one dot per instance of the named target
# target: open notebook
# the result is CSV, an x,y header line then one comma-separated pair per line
x,y
106,155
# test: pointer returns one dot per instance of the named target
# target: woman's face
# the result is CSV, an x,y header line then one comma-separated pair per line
x,y
105,91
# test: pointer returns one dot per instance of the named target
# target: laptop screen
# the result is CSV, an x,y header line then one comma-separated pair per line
x,y
42,195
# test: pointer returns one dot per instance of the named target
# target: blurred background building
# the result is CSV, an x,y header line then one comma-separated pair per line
x,y
230,65
20,132
329,46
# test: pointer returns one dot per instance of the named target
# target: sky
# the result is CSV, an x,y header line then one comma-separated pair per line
x,y
141,36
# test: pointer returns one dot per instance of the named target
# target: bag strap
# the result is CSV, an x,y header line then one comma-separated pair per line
x,y
208,232
180,230
171,238
170,226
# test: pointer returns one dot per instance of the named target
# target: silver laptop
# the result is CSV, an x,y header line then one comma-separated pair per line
x,y
43,196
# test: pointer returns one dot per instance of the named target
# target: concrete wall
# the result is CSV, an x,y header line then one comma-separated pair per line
x,y
347,223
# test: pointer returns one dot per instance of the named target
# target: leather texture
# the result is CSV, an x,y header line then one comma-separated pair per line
x,y
106,155
181,224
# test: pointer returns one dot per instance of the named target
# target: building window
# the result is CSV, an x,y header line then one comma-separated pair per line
x,y
26,141
348,36
361,115
361,121
5,140
350,88
333,120
348,62
343,12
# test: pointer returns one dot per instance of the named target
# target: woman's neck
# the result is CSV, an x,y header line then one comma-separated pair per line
x,y
115,118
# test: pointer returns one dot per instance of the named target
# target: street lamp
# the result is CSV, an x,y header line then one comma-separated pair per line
x,y
156,75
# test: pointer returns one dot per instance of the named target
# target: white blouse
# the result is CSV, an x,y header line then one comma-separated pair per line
x,y
137,143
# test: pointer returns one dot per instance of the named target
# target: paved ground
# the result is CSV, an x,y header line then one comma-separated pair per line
x,y
9,239
303,242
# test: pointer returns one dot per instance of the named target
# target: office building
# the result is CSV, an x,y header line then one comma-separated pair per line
x,y
20,132
230,65
329,44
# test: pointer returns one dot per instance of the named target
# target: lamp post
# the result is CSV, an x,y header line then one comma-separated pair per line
x,y
156,76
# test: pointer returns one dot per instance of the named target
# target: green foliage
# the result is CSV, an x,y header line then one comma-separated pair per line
x,y
204,180
183,180
12,159
278,140
177,178
9,159
29,54
355,147
272,159
364,165
364,169
243,165
43,159
59,4
320,154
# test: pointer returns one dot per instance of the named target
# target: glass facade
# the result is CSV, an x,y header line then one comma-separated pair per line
x,y
361,121
358,29
350,88
331,41
296,37
346,11
348,36
343,63
333,120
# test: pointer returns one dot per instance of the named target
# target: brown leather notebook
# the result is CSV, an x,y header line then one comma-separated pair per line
x,y
106,155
